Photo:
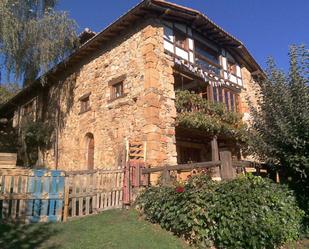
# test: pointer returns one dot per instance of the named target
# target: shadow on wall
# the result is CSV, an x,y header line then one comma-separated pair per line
x,y
8,138
13,236
54,105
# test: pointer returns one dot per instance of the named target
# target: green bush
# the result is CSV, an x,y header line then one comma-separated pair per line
x,y
248,212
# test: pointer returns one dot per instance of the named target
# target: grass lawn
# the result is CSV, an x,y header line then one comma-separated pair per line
x,y
117,229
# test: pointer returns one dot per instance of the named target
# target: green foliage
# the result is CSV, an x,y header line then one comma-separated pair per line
x,y
7,91
281,124
33,37
248,212
196,112
36,136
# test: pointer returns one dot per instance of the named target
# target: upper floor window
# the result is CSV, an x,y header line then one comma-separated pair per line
x,y
232,67
181,40
117,87
117,90
207,57
84,103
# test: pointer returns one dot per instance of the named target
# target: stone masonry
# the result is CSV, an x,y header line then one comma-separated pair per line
x,y
146,113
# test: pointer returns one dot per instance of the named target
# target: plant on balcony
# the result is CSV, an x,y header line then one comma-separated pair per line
x,y
198,113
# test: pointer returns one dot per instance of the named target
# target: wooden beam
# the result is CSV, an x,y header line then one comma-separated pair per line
x,y
188,166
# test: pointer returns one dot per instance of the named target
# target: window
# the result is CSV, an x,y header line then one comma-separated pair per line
x,y
227,100
117,87
232,99
231,67
181,40
207,58
226,96
85,103
215,93
117,90
89,140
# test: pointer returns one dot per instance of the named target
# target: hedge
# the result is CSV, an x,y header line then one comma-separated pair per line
x,y
248,212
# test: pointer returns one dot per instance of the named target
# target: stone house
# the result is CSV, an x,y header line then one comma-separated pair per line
x,y
119,87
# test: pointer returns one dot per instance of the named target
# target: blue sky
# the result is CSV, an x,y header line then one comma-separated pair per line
x,y
266,27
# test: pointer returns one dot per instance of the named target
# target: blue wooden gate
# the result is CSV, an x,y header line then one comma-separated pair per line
x,y
31,195
47,188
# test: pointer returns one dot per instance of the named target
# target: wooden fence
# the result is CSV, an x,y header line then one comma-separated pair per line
x,y
48,195
90,192
31,195
44,195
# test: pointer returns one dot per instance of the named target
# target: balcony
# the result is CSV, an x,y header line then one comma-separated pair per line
x,y
196,112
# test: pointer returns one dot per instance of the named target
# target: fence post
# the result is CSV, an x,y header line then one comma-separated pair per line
x,y
66,199
215,157
227,169
166,178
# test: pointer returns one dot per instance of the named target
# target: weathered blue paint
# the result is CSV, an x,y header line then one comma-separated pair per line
x,y
47,188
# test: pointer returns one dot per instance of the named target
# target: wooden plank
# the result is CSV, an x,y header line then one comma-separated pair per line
x,y
81,199
5,203
227,169
15,172
45,190
14,202
83,172
210,164
105,200
89,190
29,202
37,193
66,199
59,201
74,182
28,196
22,203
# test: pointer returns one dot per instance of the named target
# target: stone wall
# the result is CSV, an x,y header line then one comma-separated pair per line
x,y
249,94
146,113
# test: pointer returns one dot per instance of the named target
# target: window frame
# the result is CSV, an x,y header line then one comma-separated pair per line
x,y
185,45
226,96
113,87
231,67
117,90
208,50
85,103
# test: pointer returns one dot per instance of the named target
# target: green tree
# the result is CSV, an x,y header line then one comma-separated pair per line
x,y
33,37
281,123
7,91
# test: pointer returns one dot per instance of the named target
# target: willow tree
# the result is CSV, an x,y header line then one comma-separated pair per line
x,y
33,37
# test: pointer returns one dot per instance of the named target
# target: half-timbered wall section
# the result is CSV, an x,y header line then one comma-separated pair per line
x,y
200,54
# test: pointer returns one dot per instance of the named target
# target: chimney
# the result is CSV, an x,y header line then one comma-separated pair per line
x,y
86,35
